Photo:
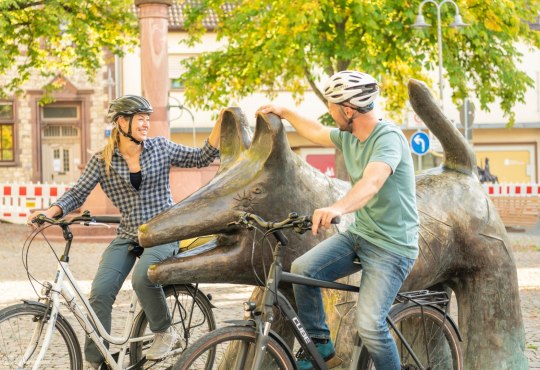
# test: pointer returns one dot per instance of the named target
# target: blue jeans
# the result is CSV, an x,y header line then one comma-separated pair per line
x,y
114,267
383,273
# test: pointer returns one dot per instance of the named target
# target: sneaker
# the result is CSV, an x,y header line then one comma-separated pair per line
x,y
164,342
327,352
88,365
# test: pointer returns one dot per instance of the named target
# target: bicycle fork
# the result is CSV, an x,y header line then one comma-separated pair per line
x,y
48,320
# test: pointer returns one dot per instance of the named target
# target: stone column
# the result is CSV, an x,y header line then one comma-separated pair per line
x,y
153,17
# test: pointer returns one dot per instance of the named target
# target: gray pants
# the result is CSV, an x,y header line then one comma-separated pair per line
x,y
115,265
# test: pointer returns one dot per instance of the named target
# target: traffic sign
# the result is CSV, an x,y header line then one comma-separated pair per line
x,y
420,143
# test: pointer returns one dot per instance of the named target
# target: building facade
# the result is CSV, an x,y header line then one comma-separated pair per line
x,y
53,142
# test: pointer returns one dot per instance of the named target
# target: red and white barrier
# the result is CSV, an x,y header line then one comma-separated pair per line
x,y
529,189
18,200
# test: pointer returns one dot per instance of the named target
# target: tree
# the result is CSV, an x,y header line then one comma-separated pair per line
x,y
290,45
56,37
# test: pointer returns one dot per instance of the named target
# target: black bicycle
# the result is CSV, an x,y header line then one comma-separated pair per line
x,y
426,336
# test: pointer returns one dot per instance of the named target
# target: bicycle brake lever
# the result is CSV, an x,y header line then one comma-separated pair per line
x,y
92,223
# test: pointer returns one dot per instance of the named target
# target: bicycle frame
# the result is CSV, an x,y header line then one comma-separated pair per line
x,y
272,297
61,288
69,291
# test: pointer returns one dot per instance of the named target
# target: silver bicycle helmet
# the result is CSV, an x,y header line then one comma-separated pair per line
x,y
356,88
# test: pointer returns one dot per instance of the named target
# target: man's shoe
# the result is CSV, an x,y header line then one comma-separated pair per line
x,y
327,352
164,342
88,365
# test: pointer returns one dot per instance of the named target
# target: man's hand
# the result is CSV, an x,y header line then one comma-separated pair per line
x,y
323,217
271,108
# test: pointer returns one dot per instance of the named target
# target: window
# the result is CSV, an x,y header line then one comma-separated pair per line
x,y
176,69
59,113
7,132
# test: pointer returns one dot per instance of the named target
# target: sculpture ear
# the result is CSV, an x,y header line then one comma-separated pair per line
x,y
270,138
458,154
235,135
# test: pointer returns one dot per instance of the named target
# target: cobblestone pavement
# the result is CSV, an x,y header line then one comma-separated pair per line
x,y
227,298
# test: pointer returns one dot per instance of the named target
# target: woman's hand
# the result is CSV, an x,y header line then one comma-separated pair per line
x,y
50,213
215,135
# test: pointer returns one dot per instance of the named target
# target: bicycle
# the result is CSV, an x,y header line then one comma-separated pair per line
x,y
35,334
426,336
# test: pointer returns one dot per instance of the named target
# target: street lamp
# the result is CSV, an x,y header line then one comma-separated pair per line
x,y
421,23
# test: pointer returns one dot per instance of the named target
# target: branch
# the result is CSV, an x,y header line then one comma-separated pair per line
x,y
14,8
313,86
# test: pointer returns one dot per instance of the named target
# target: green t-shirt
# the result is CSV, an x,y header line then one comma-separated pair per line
x,y
390,219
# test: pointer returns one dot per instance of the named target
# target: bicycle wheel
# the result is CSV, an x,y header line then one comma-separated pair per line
x,y
191,317
439,342
232,348
18,323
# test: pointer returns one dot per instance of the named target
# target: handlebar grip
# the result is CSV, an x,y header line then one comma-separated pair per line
x,y
336,220
107,219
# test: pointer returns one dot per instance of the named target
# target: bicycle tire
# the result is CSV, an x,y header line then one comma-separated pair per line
x,y
17,325
444,350
202,322
217,345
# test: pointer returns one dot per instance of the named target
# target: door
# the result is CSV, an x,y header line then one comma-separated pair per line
x,y
60,142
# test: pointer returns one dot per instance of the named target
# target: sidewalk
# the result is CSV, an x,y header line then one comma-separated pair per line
x,y
227,298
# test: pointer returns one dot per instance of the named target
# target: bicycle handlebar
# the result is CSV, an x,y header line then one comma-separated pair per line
x,y
298,223
86,219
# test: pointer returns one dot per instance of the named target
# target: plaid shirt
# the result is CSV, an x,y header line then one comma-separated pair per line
x,y
154,195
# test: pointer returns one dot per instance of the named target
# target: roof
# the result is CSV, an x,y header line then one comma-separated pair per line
x,y
176,14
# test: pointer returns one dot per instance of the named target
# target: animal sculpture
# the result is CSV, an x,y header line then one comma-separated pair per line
x,y
463,242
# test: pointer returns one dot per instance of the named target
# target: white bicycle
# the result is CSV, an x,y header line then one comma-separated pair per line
x,y
36,335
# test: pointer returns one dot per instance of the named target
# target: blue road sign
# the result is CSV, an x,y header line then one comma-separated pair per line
x,y
420,143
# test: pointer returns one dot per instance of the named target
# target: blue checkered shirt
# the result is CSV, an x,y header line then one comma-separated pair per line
x,y
154,194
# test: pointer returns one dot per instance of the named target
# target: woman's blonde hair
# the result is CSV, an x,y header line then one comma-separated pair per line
x,y
108,150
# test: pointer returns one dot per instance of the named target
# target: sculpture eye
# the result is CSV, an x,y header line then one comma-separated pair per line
x,y
246,201
257,191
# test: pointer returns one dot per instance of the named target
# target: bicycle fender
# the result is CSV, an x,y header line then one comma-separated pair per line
x,y
401,306
273,335
193,289
207,297
39,304
249,323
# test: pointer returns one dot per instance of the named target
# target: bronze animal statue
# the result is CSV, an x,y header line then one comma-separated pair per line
x,y
463,242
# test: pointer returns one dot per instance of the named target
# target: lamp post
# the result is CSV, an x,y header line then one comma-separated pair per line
x,y
421,23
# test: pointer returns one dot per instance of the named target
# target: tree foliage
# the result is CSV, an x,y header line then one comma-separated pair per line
x,y
56,37
295,44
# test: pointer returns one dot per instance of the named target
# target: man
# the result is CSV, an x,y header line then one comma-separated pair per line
x,y
384,235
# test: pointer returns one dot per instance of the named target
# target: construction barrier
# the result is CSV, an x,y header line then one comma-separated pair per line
x,y
495,190
18,200
518,205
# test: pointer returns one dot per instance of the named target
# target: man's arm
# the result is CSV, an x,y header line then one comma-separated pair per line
x,y
308,128
372,181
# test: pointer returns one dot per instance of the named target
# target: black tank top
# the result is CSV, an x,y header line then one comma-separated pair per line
x,y
135,178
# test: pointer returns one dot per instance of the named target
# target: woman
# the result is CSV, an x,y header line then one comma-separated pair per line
x,y
133,171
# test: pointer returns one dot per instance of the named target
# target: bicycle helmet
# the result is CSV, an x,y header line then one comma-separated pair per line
x,y
128,105
356,88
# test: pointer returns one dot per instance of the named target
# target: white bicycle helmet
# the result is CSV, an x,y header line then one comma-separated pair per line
x,y
356,88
